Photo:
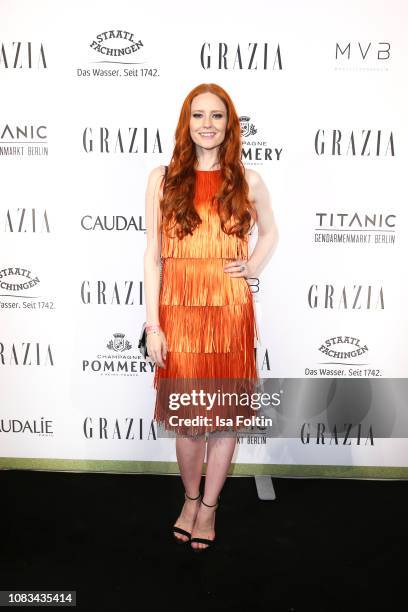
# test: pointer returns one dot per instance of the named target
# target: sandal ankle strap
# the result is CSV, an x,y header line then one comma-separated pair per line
x,y
212,505
193,498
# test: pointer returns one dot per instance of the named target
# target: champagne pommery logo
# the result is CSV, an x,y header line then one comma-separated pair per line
x,y
247,129
119,344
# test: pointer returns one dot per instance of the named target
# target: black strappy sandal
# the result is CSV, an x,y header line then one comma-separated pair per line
x,y
204,540
183,531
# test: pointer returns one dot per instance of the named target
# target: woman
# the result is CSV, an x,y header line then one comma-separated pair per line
x,y
200,316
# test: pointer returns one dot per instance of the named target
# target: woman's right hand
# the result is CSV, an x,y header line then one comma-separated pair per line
x,y
156,345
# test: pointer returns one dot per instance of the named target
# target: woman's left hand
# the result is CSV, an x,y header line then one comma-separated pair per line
x,y
239,268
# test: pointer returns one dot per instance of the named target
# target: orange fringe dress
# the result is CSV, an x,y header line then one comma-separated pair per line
x,y
208,319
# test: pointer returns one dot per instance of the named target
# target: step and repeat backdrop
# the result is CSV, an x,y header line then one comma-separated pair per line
x,y
90,96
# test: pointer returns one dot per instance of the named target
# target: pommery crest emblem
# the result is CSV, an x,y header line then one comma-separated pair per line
x,y
247,129
119,344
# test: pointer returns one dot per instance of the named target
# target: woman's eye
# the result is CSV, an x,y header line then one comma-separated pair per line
x,y
216,115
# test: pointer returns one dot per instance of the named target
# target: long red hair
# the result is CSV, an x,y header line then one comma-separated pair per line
x,y
177,205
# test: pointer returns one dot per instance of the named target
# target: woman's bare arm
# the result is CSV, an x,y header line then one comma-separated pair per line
x,y
268,235
152,252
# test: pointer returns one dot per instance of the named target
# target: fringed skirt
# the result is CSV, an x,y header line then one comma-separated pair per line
x,y
209,322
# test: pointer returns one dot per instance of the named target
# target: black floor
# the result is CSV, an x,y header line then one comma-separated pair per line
x,y
321,545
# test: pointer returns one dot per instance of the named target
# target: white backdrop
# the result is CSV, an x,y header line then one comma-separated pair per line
x,y
321,91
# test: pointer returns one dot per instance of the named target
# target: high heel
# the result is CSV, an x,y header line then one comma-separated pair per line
x,y
184,531
204,540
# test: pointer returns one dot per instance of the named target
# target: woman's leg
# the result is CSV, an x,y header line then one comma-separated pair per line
x,y
190,454
219,454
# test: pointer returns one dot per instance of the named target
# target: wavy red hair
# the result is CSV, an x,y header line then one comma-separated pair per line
x,y
177,205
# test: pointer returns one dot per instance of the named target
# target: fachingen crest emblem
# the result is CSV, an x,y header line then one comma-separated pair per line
x,y
119,344
247,129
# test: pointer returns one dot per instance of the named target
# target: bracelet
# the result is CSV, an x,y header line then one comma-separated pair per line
x,y
152,326
153,329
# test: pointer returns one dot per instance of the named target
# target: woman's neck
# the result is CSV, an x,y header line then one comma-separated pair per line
x,y
207,164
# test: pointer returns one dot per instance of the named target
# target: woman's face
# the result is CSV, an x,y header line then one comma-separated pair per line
x,y
208,120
